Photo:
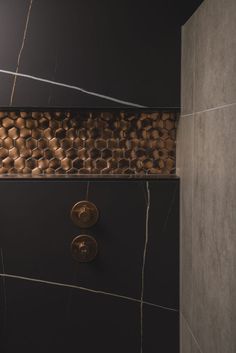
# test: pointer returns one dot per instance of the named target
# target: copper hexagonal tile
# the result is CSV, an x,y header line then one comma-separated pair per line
x,y
25,152
20,123
3,132
89,142
7,122
37,153
78,163
54,163
8,142
14,153
3,152
31,143
19,163
8,163
66,163
42,143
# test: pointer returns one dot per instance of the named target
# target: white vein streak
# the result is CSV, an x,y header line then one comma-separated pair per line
x,y
21,50
58,284
67,286
144,262
76,88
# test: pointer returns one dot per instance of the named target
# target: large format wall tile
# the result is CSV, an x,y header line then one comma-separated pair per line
x,y
130,51
205,161
212,311
209,251
45,240
120,233
129,293
104,49
215,54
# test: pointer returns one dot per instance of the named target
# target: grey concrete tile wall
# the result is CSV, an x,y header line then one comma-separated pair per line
x,y
206,159
215,50
213,306
208,228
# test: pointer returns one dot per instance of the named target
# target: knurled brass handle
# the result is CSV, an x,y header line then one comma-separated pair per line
x,y
84,248
84,214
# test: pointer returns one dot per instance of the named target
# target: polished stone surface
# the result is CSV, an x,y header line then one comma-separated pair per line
x,y
12,23
130,51
127,298
47,318
5,88
160,329
162,269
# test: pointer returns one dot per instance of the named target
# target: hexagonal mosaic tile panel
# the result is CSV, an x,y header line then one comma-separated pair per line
x,y
75,142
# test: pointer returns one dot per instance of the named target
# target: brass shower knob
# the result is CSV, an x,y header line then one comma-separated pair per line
x,y
84,248
84,214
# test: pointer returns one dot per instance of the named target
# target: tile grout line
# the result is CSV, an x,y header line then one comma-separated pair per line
x,y
208,110
191,333
143,266
21,50
160,306
29,279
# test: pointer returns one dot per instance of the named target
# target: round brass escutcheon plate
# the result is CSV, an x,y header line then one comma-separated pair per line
x,y
84,248
84,214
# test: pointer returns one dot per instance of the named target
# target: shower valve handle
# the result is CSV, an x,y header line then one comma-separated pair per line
x,y
84,248
84,214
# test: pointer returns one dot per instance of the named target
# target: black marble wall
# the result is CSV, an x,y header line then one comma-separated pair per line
x,y
90,54
125,301
121,53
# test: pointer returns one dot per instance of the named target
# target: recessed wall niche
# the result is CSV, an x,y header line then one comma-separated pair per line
x,y
74,142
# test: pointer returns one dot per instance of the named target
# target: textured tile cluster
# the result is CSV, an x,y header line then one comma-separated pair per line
x,y
77,142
